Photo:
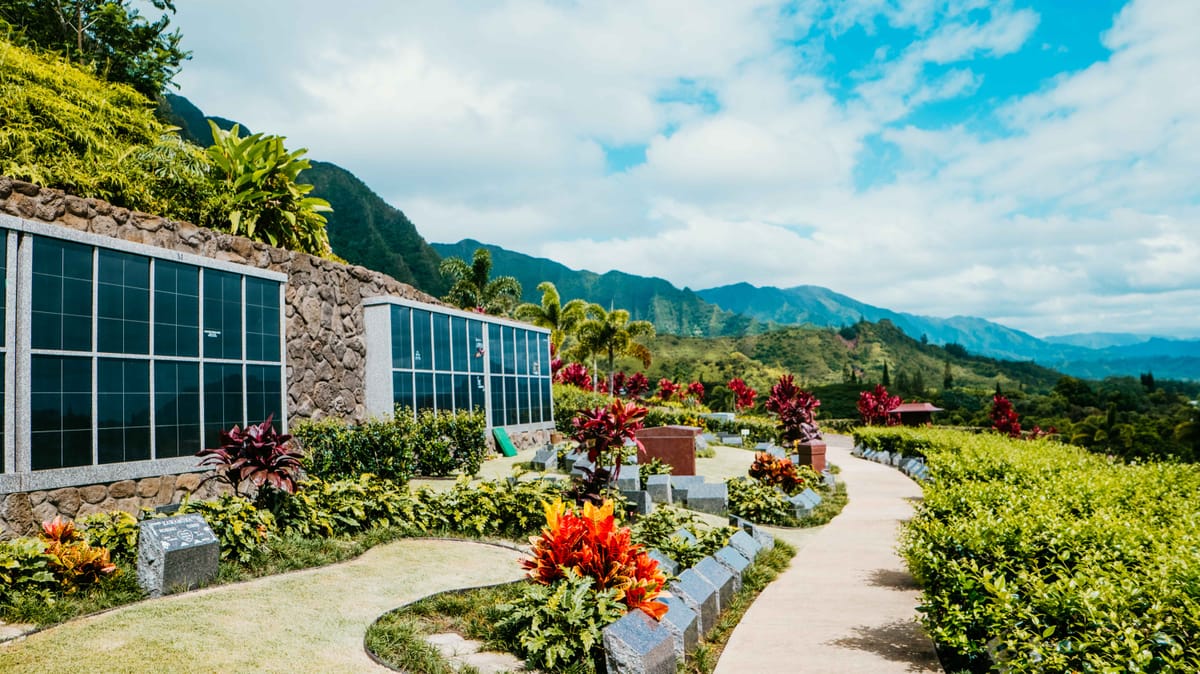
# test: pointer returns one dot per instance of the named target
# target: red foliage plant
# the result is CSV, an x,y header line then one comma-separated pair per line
x,y
695,390
603,429
743,395
636,385
1004,417
875,407
796,409
574,374
667,389
255,456
775,471
590,544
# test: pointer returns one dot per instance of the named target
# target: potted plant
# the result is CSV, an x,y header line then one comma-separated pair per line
x,y
796,409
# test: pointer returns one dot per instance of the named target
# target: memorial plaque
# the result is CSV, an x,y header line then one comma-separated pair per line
x,y
659,487
735,562
546,458
709,498
639,644
682,623
665,563
745,544
176,553
699,595
680,484
719,577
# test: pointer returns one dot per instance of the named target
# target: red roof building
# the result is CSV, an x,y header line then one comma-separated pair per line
x,y
915,414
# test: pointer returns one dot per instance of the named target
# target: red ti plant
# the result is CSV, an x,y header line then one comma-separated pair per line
x,y
575,374
875,407
618,384
667,389
636,385
695,390
589,544
1004,417
603,432
744,395
796,409
254,457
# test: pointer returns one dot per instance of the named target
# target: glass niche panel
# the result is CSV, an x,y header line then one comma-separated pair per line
x,y
122,410
61,312
463,353
264,393
222,315
441,343
422,341
60,411
122,303
176,309
423,390
177,409
262,320
402,390
402,341
475,345
222,400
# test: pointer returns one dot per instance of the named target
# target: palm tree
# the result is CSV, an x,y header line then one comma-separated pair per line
x,y
471,289
551,313
612,334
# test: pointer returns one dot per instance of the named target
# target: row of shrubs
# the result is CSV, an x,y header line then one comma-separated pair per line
x,y
428,443
1040,557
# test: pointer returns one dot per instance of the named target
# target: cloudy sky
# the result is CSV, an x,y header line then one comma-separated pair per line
x,y
1034,163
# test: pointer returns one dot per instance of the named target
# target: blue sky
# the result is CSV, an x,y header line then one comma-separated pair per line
x,y
1029,162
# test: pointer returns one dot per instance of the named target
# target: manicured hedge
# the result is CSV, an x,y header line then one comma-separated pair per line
x,y
1041,557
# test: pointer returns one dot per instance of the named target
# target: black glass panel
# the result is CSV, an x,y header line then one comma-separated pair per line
x,y
546,403
262,320
3,436
443,391
510,354
511,402
123,303
423,383
176,309
441,342
177,409
122,410
535,405
401,337
264,392
3,304
60,411
523,397
476,349
461,346
222,314
422,341
540,363
495,351
402,390
62,295
462,392
497,398
222,400
520,343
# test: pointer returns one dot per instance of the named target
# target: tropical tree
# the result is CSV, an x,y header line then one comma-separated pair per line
x,y
108,36
472,288
611,334
551,313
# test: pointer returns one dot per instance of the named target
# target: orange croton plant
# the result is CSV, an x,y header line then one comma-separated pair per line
x,y
590,544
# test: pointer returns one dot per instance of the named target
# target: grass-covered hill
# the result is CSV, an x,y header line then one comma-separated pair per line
x,y
671,310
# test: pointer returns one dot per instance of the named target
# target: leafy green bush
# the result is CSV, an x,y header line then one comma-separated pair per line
x,y
394,449
241,528
341,507
504,508
569,401
116,530
759,503
553,626
658,531
25,568
1036,556
653,467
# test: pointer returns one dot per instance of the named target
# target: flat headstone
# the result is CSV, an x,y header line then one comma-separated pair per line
x,y
731,440
777,452
687,536
580,465
640,500
762,446
707,438
639,644
683,624
176,553
659,487
568,462
681,484
813,497
709,498
545,458
829,478
800,506
734,562
665,563
745,544
698,594
628,480
721,578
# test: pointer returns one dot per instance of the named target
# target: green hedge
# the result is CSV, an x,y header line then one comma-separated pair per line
x,y
396,449
1041,557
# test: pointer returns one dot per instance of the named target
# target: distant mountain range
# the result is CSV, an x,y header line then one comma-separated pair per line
x,y
366,230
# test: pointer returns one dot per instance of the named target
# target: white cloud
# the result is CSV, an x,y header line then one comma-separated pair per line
x,y
490,122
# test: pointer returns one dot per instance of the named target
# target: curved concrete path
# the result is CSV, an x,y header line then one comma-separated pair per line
x,y
846,603
306,621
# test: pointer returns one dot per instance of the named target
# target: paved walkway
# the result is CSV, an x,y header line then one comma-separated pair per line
x,y
306,621
846,603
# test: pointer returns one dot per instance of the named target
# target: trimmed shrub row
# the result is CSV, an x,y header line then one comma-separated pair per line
x,y
1041,557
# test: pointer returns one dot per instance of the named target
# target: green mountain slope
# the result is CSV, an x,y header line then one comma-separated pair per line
x,y
363,228
672,310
